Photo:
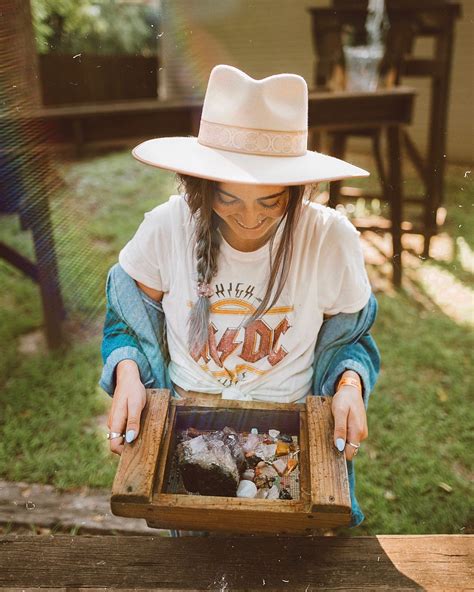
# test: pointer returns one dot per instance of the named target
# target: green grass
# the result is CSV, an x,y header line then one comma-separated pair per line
x,y
419,414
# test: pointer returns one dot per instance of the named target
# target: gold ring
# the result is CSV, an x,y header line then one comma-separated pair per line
x,y
112,435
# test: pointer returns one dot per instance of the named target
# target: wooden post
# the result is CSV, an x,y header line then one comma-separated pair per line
x,y
135,476
396,199
328,469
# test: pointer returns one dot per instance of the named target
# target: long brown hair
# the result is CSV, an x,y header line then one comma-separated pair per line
x,y
200,195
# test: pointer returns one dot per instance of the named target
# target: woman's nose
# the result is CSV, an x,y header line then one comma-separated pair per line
x,y
250,215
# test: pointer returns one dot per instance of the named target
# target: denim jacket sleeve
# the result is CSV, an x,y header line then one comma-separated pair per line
x,y
345,343
119,343
364,358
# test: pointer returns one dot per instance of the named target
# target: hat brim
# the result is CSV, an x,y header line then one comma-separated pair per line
x,y
186,155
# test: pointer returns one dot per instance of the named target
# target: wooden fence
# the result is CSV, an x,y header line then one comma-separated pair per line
x,y
86,78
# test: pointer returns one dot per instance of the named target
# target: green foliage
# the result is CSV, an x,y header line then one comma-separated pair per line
x,y
99,27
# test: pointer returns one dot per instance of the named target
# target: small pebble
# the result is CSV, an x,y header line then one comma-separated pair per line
x,y
253,460
266,471
254,431
269,450
246,489
273,433
285,438
273,493
193,432
280,466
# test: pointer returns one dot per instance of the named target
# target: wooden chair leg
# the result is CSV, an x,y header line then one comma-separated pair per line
x,y
429,226
338,149
429,212
48,278
376,146
396,200
314,139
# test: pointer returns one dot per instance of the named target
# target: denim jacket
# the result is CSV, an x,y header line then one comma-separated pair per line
x,y
133,321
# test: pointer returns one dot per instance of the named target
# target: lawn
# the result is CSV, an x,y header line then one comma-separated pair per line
x,y
415,469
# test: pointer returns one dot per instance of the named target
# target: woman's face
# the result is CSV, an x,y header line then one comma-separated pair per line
x,y
249,214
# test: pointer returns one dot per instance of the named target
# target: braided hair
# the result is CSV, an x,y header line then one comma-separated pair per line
x,y
200,196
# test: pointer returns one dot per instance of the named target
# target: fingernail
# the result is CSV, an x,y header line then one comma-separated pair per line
x,y
130,436
340,444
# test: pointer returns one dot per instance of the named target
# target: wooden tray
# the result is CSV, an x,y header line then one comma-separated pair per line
x,y
139,488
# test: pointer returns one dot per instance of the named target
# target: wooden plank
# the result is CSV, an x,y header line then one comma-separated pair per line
x,y
303,459
119,107
328,470
353,110
195,399
164,451
82,511
413,562
249,519
136,470
389,105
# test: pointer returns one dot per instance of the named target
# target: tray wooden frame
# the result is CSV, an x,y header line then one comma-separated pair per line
x,y
324,487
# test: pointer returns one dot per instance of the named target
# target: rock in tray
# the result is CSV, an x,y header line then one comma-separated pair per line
x,y
209,464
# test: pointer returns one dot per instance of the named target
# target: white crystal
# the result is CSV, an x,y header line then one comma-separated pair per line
x,y
246,489
273,493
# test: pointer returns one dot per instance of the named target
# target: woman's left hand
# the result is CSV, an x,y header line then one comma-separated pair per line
x,y
350,418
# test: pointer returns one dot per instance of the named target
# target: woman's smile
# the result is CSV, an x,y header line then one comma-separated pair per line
x,y
249,214
256,227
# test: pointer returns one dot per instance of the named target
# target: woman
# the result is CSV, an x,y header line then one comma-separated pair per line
x,y
240,285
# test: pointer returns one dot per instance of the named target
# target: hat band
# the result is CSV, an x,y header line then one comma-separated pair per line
x,y
252,141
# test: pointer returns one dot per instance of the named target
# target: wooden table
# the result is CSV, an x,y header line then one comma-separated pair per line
x,y
390,110
433,23
413,562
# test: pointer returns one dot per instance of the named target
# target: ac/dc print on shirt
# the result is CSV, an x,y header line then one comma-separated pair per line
x,y
234,353
272,357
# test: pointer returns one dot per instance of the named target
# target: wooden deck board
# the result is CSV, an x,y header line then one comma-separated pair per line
x,y
391,562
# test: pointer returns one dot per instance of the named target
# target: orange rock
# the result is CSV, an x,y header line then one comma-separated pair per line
x,y
291,465
282,448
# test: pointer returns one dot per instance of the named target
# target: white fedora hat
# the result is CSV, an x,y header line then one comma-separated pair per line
x,y
251,131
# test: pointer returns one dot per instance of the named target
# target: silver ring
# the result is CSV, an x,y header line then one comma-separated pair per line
x,y
356,446
112,435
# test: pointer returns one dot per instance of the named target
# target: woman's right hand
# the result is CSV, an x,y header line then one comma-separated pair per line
x,y
127,404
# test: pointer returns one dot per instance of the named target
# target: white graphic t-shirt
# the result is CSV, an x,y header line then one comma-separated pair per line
x,y
271,358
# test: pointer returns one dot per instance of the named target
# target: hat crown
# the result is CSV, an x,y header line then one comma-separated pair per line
x,y
278,102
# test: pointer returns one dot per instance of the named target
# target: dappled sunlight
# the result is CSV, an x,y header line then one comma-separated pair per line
x,y
465,255
430,285
454,298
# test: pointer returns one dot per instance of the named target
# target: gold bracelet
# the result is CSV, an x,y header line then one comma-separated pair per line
x,y
349,381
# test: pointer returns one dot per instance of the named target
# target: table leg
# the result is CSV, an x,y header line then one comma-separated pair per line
x,y
195,120
47,271
78,133
338,148
396,199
